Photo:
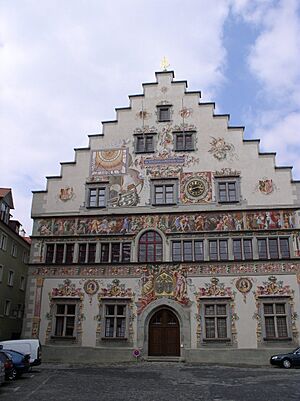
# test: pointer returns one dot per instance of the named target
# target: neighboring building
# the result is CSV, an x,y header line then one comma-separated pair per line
x,y
170,234
14,255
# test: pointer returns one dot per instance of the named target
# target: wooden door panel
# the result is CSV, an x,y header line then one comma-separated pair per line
x,y
164,334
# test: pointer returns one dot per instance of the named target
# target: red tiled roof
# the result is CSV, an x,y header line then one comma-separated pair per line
x,y
4,192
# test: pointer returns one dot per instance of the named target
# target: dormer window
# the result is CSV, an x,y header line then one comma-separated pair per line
x,y
144,143
164,113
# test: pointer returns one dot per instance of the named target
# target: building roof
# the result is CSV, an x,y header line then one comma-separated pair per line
x,y
7,194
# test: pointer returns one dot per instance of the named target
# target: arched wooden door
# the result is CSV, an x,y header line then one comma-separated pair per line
x,y
164,334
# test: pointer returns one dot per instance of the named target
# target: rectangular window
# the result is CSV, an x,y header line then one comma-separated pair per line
x,y
223,249
164,193
14,250
187,250
248,252
91,253
237,249
275,320
284,248
184,141
59,255
82,253
3,242
7,307
126,252
22,283
164,113
65,320
262,248
104,256
273,248
20,311
49,253
227,191
115,320
1,273
213,250
69,253
144,143
115,252
97,197
215,321
25,257
10,279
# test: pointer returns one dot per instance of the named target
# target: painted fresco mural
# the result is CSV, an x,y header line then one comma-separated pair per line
x,y
162,281
222,150
175,223
109,162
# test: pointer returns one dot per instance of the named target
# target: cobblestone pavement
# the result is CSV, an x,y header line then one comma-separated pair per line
x,y
154,382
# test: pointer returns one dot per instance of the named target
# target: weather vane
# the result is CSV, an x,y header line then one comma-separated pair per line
x,y
164,63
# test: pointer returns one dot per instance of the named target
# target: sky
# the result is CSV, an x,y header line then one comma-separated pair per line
x,y
65,65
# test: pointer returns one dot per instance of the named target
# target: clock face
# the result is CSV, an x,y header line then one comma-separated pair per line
x,y
197,187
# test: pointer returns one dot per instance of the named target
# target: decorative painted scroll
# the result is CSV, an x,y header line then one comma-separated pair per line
x,y
115,290
67,289
66,194
222,150
273,287
215,289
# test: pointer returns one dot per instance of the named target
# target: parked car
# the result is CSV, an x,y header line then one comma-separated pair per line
x,y
21,362
10,372
286,360
26,346
2,373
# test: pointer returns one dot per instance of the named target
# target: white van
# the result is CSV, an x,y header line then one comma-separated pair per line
x,y
28,346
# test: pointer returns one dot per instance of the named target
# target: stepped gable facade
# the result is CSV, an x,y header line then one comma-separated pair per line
x,y
170,234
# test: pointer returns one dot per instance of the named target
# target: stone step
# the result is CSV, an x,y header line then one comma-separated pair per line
x,y
164,359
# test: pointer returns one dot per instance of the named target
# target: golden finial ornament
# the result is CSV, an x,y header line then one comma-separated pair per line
x,y
165,63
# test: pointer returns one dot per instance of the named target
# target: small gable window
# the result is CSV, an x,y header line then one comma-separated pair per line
x,y
184,141
144,143
164,113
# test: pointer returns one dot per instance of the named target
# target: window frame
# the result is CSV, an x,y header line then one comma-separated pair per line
x,y
227,181
109,251
14,249
156,183
124,302
182,258
279,248
144,137
218,252
1,272
204,302
7,307
22,283
98,187
148,244
3,242
287,315
184,134
65,315
243,253
10,278
165,107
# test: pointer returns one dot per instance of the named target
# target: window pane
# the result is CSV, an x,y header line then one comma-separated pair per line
x,y
213,250
232,192
59,253
71,309
198,248
176,251
209,309
82,252
169,193
187,251
92,253
121,327
210,327
70,326
221,327
101,197
59,326
93,197
270,326
126,251
262,248
179,142
189,142
110,310
164,114
149,143
109,326
268,309
104,252
115,252
280,309
247,243
140,144
223,249
284,248
121,310
60,309
282,326
159,194
237,249
69,253
221,309
273,248
49,253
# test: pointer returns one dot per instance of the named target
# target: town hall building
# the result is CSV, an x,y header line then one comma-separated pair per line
x,y
169,236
